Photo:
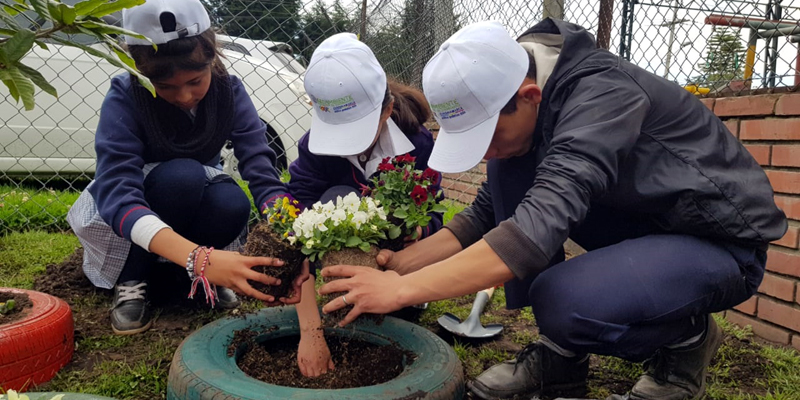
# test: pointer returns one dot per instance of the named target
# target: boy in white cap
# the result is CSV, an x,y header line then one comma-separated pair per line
x,y
159,189
358,120
675,214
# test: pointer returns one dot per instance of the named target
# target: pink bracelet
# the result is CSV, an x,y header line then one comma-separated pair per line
x,y
199,275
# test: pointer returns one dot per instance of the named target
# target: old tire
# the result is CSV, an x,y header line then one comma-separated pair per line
x,y
67,396
33,349
202,370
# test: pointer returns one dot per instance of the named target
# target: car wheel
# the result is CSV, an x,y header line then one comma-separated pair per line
x,y
202,369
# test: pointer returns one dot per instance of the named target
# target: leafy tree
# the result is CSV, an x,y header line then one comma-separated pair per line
x,y
25,23
725,59
320,23
275,20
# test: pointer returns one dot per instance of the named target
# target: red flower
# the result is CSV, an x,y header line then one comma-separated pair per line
x,y
385,166
419,194
405,175
430,175
405,158
386,160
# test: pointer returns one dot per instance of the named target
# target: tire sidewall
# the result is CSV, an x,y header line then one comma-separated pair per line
x,y
201,368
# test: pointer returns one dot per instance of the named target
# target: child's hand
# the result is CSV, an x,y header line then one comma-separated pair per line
x,y
298,285
313,355
232,270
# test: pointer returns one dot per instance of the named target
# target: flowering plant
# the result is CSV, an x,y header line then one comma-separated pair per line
x,y
407,193
351,222
282,214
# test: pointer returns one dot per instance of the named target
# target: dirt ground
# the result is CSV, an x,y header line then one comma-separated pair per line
x,y
177,316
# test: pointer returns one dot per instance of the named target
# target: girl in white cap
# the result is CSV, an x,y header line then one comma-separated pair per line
x,y
358,120
159,189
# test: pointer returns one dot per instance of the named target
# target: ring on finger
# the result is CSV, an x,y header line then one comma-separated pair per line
x,y
345,301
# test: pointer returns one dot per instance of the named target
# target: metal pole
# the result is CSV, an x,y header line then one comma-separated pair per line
x,y
363,31
605,16
553,9
773,65
671,39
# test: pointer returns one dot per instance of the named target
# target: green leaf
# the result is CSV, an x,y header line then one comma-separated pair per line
x,y
37,78
19,85
306,251
364,246
41,8
67,14
98,27
327,241
7,32
110,8
10,304
18,45
439,208
41,45
10,22
353,241
394,232
10,10
400,213
111,59
86,7
55,11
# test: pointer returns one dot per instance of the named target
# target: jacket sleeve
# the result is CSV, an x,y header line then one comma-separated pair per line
x,y
476,220
597,127
309,180
256,158
118,189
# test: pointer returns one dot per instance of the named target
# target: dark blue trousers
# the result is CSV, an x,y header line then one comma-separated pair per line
x,y
211,213
638,289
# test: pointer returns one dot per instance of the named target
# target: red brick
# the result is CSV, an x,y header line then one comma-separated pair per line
x,y
708,103
789,239
745,105
733,126
760,152
760,328
775,286
786,155
796,342
784,181
779,314
782,262
788,105
789,205
770,129
749,306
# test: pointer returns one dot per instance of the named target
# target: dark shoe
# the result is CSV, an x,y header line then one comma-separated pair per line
x,y
535,371
131,313
226,298
679,374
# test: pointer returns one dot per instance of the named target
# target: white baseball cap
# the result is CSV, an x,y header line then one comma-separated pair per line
x,y
346,85
164,20
467,82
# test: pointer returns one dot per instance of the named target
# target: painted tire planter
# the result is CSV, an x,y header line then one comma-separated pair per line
x,y
67,396
34,348
202,370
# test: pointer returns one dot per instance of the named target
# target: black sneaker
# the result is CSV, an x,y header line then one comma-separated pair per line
x,y
131,314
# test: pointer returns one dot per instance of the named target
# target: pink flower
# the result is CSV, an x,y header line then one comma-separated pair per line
x,y
419,194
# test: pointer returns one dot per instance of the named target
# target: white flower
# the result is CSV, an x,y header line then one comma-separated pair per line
x,y
292,239
310,243
12,395
359,217
338,216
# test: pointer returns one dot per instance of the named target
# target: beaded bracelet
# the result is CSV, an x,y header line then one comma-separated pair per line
x,y
198,276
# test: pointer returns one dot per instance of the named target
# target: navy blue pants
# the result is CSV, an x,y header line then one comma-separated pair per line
x,y
638,289
209,213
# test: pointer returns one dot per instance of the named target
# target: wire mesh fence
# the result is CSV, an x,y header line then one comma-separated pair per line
x,y
711,47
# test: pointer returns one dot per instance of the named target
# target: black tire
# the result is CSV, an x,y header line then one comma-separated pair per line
x,y
202,370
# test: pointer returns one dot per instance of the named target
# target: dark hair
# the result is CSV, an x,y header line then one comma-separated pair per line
x,y
193,53
511,106
410,107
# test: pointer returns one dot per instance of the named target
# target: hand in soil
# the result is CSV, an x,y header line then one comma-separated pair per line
x,y
367,290
313,355
297,285
232,270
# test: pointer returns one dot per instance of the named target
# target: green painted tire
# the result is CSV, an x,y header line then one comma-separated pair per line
x,y
67,396
202,370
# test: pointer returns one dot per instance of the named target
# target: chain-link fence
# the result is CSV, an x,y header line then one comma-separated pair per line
x,y
710,47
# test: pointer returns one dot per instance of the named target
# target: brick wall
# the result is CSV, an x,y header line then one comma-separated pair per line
x,y
769,127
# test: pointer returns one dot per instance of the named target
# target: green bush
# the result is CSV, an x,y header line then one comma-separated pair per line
x,y
26,209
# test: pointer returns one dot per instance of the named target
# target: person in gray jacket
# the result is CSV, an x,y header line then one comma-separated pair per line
x,y
675,214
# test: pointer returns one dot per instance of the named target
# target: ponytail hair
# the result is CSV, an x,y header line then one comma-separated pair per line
x,y
410,106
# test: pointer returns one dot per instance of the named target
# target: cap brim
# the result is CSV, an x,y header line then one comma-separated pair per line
x,y
458,152
343,139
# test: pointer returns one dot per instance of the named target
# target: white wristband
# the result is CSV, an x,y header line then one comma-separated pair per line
x,y
145,228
